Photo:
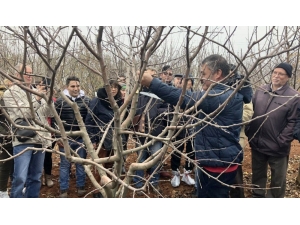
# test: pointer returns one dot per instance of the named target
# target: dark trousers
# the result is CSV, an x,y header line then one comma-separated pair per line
x,y
176,157
208,187
238,192
278,167
48,161
6,168
125,140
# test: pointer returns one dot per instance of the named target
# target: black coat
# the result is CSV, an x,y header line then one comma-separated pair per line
x,y
101,113
66,112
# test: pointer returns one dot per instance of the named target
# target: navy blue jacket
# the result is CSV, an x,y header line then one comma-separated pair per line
x,y
99,116
214,146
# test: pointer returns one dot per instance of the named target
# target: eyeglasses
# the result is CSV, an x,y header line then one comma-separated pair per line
x,y
28,74
278,73
166,73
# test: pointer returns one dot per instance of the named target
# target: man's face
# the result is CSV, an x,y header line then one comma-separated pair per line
x,y
279,77
169,76
177,82
207,77
123,92
189,85
74,88
166,76
27,75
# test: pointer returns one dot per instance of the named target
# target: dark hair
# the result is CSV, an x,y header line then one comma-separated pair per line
x,y
166,67
217,62
72,78
236,77
115,83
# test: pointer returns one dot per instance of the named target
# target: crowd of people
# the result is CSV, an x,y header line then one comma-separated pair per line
x,y
225,117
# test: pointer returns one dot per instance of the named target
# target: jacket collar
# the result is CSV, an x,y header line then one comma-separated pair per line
x,y
66,92
279,91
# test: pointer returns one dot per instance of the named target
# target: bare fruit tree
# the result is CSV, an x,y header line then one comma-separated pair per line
x,y
98,54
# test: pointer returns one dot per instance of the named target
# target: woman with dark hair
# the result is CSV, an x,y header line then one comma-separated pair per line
x,y
99,117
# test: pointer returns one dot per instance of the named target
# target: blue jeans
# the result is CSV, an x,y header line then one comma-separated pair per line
x,y
145,153
28,169
65,166
210,188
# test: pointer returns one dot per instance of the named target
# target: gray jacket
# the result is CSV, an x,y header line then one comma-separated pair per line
x,y
17,106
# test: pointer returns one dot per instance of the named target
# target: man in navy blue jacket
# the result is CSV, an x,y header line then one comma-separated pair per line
x,y
218,152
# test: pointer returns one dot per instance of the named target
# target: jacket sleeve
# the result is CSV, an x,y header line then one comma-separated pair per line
x,y
17,104
91,126
286,136
171,94
296,132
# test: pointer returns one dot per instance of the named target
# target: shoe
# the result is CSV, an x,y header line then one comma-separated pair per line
x,y
298,180
63,193
24,190
187,178
138,186
97,195
81,192
49,181
176,178
4,194
43,180
194,193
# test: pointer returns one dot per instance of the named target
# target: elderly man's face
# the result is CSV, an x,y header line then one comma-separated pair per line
x,y
177,82
27,75
279,77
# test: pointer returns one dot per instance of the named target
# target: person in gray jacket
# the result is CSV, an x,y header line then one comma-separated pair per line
x,y
28,166
271,132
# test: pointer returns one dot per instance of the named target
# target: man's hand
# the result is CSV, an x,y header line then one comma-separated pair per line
x,y
147,78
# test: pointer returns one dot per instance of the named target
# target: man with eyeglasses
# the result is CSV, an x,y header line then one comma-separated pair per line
x,y
271,132
28,165
166,75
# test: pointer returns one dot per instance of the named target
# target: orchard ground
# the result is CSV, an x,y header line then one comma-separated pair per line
x,y
183,191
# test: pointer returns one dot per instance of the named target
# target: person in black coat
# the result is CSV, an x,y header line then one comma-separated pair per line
x,y
98,120
70,123
100,115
